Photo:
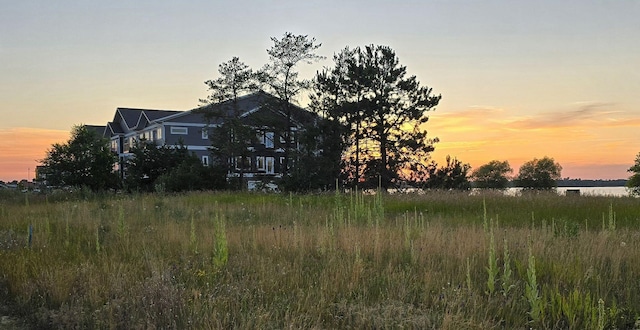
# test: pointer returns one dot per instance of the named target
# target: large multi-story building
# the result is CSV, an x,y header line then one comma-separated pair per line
x,y
193,130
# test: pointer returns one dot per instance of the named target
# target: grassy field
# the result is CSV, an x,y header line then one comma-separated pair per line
x,y
219,260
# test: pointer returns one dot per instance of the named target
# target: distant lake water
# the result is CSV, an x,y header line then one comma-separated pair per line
x,y
585,191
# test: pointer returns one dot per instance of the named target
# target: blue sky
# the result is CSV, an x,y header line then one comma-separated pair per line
x,y
519,79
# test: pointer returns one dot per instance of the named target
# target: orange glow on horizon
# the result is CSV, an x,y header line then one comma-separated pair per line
x,y
21,150
591,141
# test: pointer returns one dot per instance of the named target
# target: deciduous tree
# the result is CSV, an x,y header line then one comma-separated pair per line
x,y
148,162
85,160
192,175
169,168
634,181
493,175
539,174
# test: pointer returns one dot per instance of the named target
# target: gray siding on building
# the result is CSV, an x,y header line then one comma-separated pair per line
x,y
168,127
193,137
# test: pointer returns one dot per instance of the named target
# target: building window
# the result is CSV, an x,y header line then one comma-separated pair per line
x,y
114,146
260,165
270,164
205,160
292,137
180,130
239,164
205,133
268,139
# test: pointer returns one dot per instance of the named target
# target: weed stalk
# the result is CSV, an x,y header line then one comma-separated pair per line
x,y
531,289
492,269
506,271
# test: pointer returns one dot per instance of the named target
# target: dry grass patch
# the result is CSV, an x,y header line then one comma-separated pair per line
x,y
324,261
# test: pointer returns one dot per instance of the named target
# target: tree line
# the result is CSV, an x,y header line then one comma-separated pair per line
x,y
371,132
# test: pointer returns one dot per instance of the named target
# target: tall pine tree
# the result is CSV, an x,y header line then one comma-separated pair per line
x,y
280,77
230,137
385,110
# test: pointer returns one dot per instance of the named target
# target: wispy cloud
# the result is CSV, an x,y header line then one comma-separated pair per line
x,y
579,115
583,115
582,133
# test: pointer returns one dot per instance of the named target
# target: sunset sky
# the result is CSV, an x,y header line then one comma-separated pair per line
x,y
519,79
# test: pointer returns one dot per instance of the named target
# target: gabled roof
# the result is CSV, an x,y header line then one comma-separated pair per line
x,y
113,129
148,116
96,128
255,109
127,117
246,103
152,115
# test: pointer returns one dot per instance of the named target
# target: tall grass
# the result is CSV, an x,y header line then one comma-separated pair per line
x,y
224,260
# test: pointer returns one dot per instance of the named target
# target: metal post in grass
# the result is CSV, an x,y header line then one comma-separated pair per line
x,y
30,235
98,239
485,224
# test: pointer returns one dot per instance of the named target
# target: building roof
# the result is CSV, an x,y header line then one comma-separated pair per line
x,y
258,109
127,117
152,115
113,129
96,128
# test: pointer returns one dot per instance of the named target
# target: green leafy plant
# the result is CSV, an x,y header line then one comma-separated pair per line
x,y
507,280
532,293
220,251
492,269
